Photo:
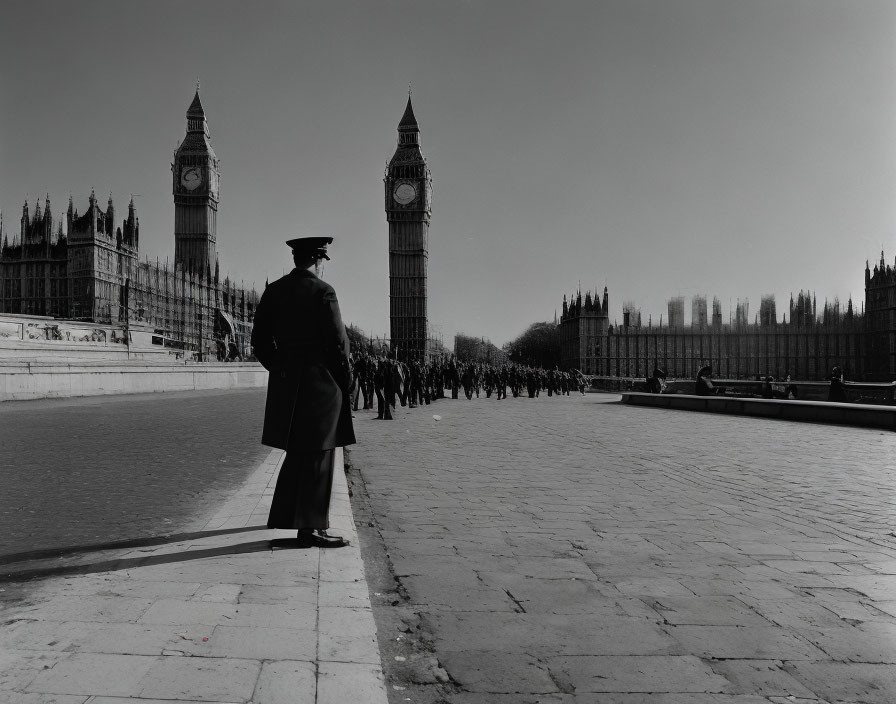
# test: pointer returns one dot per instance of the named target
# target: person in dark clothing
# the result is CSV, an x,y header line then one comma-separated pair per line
x,y
704,386
837,392
298,336
656,381
384,383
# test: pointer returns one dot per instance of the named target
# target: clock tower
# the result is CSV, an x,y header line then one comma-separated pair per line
x,y
408,209
195,175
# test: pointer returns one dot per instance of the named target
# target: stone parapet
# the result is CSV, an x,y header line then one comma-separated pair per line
x,y
39,338
864,415
27,380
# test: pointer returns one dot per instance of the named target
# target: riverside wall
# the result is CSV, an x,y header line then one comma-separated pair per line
x,y
27,380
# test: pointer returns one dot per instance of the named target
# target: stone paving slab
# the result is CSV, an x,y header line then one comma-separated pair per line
x,y
572,550
217,618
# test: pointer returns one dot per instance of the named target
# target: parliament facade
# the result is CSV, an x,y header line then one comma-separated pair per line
x,y
91,270
806,345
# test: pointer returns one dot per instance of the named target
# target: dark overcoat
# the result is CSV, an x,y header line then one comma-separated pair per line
x,y
298,336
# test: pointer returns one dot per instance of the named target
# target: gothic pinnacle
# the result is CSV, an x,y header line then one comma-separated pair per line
x,y
408,120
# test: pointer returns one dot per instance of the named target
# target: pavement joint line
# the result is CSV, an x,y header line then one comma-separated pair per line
x,y
245,593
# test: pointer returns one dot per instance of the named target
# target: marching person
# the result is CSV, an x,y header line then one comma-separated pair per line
x,y
384,383
298,336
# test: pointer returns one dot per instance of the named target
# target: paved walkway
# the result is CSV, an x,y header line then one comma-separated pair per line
x,y
577,551
218,617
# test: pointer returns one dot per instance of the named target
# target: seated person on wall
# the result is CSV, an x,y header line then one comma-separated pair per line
x,y
837,392
656,382
776,391
704,386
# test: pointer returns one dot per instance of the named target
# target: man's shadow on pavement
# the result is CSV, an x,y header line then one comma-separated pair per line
x,y
116,564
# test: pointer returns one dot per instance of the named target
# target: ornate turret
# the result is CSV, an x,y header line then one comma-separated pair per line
x,y
132,226
36,229
110,216
582,322
24,222
45,232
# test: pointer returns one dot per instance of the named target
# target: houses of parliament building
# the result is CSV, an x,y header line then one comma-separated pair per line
x,y
92,271
805,345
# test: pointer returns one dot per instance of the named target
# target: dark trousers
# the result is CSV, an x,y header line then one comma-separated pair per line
x,y
384,409
302,495
366,392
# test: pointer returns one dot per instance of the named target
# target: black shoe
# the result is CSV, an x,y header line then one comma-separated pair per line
x,y
320,539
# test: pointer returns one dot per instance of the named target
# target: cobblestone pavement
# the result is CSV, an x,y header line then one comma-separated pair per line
x,y
572,549
87,471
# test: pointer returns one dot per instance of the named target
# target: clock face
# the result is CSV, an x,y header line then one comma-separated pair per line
x,y
191,177
404,193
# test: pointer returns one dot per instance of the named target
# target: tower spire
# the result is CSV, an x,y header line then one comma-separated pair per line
x,y
196,115
408,120
408,129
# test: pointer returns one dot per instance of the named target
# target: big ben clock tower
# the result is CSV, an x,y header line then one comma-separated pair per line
x,y
195,183
408,209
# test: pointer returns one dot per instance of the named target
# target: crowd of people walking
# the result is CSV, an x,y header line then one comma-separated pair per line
x,y
388,381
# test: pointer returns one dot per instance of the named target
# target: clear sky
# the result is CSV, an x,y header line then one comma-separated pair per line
x,y
731,148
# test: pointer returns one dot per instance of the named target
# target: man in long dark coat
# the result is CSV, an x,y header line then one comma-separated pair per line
x,y
298,336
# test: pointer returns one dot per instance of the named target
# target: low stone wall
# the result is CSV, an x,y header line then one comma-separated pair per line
x,y
21,380
806,390
863,415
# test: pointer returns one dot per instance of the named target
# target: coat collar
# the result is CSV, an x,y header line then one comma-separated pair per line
x,y
303,273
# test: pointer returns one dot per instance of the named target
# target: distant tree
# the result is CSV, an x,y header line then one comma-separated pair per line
x,y
437,347
538,346
476,349
356,337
